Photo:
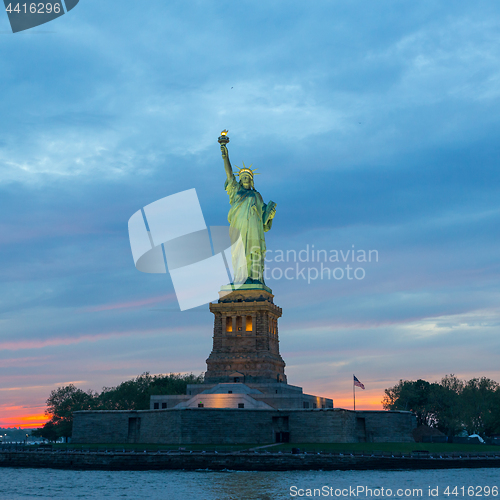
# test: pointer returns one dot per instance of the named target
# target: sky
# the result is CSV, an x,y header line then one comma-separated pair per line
x,y
374,126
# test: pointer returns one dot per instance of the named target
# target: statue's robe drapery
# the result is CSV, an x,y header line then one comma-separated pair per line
x,y
247,218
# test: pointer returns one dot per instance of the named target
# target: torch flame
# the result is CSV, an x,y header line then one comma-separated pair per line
x,y
224,132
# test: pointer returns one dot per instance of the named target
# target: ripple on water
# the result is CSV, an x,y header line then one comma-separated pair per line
x,y
18,483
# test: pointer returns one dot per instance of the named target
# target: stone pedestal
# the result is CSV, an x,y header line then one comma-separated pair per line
x,y
246,344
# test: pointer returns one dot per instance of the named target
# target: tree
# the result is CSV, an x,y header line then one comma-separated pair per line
x,y
48,431
414,396
447,405
174,383
451,405
479,399
61,404
494,421
135,394
129,395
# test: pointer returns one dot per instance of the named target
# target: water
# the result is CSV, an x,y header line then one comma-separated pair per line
x,y
17,483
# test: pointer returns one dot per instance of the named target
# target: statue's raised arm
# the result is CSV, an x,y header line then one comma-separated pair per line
x,y
249,218
227,163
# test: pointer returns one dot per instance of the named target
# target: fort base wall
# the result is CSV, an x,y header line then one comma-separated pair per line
x,y
242,426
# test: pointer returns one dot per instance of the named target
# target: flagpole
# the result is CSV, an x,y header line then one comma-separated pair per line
x,y
354,392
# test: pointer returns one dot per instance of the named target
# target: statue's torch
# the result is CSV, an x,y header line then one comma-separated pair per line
x,y
223,139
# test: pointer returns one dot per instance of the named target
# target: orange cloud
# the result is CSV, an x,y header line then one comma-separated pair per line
x,y
36,420
17,416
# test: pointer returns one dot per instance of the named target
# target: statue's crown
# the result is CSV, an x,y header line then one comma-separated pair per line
x,y
246,170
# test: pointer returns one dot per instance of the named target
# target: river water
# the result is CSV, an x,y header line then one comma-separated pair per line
x,y
18,483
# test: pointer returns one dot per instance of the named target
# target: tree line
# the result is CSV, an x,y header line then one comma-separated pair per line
x,y
451,405
132,394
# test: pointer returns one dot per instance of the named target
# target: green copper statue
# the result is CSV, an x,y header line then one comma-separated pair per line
x,y
249,217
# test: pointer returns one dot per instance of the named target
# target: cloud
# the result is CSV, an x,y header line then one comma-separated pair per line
x,y
127,305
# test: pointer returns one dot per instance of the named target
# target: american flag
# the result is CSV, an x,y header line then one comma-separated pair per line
x,y
358,383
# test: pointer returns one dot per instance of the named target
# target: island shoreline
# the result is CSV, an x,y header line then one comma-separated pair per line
x,y
237,461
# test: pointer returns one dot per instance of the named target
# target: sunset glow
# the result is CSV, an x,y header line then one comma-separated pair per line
x,y
16,417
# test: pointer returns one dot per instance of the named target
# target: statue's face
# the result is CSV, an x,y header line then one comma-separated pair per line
x,y
246,181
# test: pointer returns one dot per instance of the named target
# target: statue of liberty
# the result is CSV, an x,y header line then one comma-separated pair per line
x,y
249,218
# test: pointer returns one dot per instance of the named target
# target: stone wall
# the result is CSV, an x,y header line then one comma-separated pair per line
x,y
241,426
376,425
104,460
